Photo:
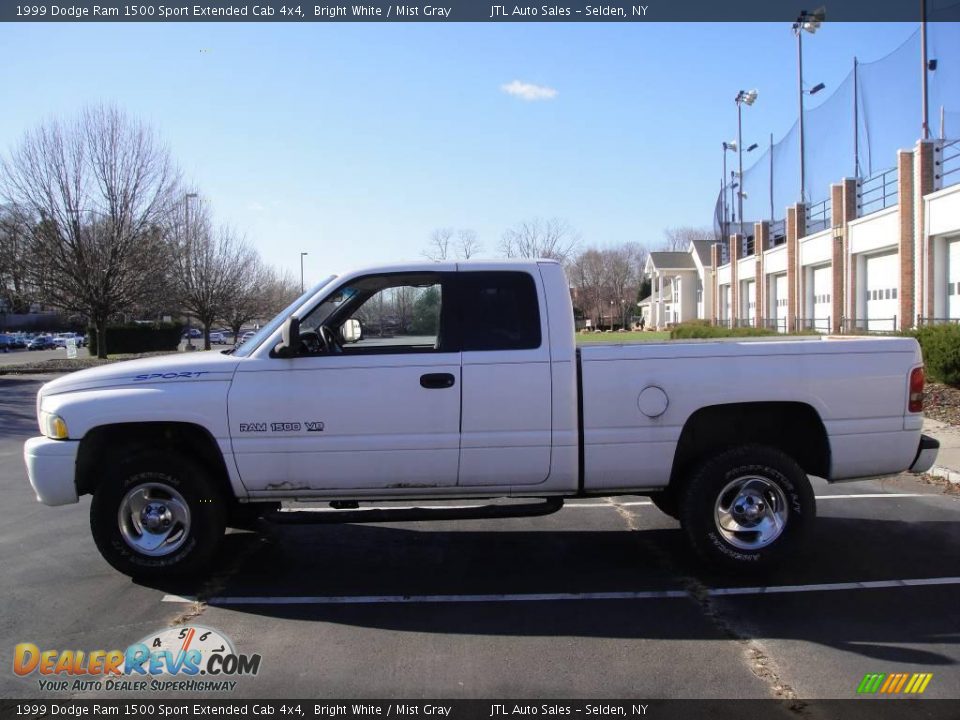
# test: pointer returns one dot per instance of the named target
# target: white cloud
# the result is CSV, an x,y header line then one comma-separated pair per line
x,y
256,207
529,91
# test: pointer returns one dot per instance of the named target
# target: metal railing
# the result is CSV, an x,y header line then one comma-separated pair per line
x,y
921,321
778,232
778,324
818,216
818,324
743,322
877,192
746,246
946,164
856,326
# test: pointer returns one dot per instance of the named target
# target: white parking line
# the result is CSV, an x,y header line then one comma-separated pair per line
x,y
553,597
583,505
870,496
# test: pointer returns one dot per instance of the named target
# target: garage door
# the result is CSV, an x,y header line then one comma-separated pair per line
x,y
724,303
882,288
749,301
953,280
778,300
822,288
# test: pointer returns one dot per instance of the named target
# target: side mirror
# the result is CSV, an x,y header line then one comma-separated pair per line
x,y
290,343
351,331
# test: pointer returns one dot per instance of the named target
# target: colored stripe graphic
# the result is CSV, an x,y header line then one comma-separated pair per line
x,y
871,682
894,683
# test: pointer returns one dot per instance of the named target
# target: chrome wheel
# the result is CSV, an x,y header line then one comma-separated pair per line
x,y
154,519
751,512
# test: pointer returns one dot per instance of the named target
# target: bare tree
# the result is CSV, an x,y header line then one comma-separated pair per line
x,y
439,248
209,266
15,288
279,290
262,293
468,244
678,239
553,238
606,281
588,272
624,267
99,189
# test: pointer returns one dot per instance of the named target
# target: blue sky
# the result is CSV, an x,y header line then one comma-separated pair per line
x,y
354,141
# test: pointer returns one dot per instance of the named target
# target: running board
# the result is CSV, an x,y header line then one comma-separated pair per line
x,y
380,515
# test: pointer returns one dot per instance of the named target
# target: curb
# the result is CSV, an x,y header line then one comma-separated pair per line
x,y
947,474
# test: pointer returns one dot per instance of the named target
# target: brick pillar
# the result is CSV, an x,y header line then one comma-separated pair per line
x,y
761,243
796,229
839,224
923,184
849,199
905,206
735,244
715,290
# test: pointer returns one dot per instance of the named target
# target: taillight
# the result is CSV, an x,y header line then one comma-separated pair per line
x,y
915,403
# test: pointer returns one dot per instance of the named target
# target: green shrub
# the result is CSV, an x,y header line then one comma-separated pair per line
x,y
138,338
941,351
698,329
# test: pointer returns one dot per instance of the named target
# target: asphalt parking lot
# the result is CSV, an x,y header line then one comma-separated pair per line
x,y
22,356
600,599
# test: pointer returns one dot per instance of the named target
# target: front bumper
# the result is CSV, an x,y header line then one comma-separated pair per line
x,y
52,467
926,454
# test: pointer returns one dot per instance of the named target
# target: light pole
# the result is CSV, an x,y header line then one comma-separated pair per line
x,y
748,98
186,210
727,147
301,271
809,22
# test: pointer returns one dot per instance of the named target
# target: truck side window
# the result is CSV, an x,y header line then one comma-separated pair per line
x,y
400,317
498,311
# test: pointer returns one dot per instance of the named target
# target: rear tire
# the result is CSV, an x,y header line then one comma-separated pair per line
x,y
749,508
157,514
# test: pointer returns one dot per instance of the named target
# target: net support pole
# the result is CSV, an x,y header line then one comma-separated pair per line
x,y
856,123
771,177
923,69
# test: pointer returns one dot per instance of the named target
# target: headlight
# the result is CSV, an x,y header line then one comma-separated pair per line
x,y
53,426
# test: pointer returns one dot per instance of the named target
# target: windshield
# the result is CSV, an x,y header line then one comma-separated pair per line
x,y
267,330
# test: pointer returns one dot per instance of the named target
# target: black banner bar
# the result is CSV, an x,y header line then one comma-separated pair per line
x,y
468,11
874,708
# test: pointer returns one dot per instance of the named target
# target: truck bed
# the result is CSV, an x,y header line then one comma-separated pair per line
x,y
638,397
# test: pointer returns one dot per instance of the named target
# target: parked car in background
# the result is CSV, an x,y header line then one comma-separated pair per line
x,y
61,339
41,342
218,338
192,333
18,341
246,336
6,343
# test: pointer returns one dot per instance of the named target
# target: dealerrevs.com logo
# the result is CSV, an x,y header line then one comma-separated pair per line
x,y
189,658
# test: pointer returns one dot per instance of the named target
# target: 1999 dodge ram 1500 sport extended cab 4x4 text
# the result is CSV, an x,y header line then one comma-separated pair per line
x,y
463,380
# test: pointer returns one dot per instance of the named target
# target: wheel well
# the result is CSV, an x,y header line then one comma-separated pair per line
x,y
102,444
793,427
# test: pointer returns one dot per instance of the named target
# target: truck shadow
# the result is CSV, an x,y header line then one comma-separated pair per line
x,y
377,565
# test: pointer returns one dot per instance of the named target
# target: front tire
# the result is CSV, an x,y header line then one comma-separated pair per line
x,y
157,514
749,508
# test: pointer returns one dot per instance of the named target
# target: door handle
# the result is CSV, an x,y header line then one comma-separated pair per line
x,y
437,381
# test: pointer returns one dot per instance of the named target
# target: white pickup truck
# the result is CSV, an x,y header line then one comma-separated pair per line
x,y
463,380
